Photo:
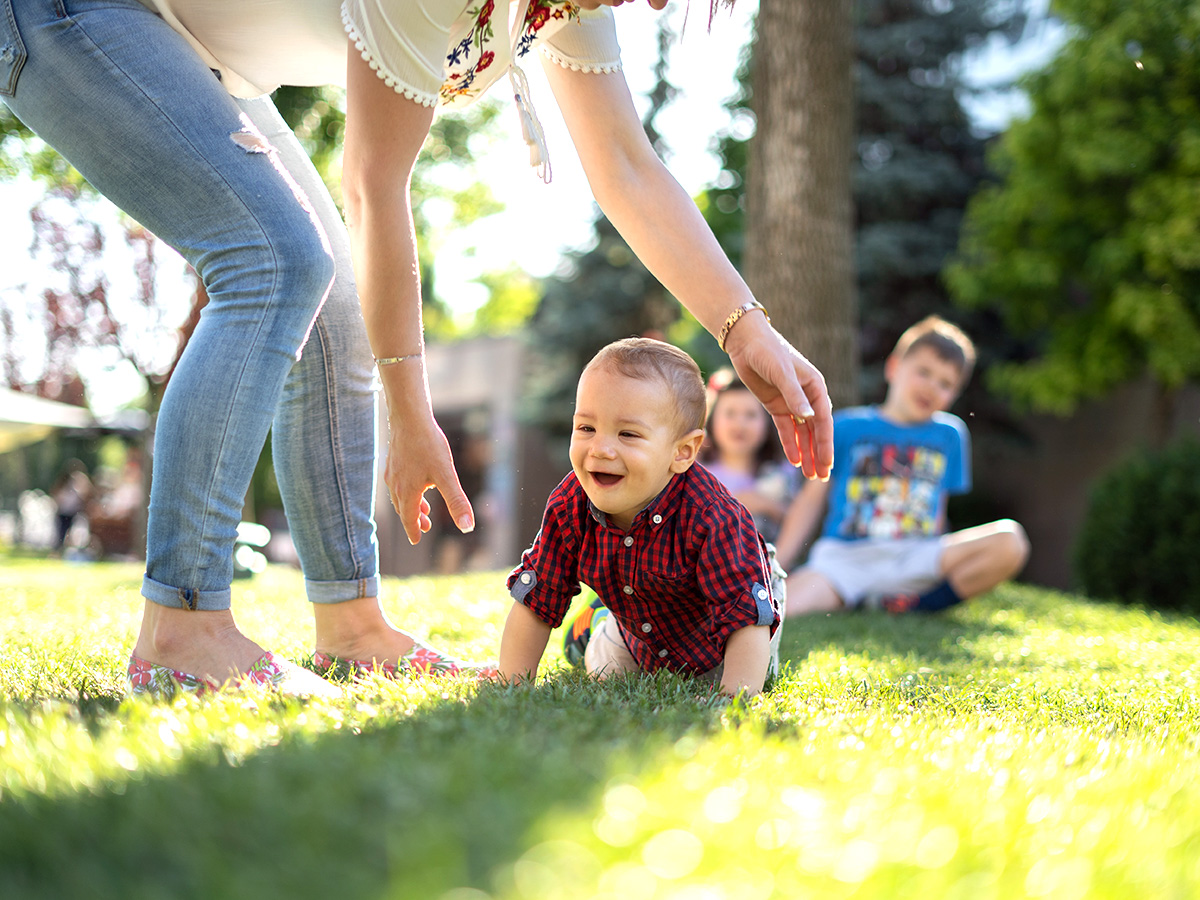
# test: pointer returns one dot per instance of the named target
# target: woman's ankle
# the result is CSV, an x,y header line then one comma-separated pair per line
x,y
360,630
203,643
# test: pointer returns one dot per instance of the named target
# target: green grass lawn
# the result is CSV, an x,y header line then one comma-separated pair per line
x,y
1030,744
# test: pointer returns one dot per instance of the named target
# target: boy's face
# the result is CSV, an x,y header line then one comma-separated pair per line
x,y
919,385
625,442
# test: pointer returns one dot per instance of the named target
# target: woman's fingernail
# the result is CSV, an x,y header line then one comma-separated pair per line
x,y
466,524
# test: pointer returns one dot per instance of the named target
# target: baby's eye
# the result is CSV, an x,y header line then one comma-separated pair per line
x,y
630,434
584,428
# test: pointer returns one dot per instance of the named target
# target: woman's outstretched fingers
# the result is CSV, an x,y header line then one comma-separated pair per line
x,y
457,501
418,459
792,390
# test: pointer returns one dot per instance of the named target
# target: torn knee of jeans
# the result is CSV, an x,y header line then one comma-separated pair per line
x,y
251,141
249,138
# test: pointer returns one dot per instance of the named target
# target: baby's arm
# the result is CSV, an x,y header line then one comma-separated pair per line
x,y
522,644
747,653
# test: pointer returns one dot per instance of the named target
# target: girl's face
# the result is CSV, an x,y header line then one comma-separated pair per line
x,y
739,423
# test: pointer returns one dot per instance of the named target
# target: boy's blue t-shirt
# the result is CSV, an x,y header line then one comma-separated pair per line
x,y
892,481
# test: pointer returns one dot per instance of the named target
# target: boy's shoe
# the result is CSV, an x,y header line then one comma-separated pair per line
x,y
892,603
420,660
580,632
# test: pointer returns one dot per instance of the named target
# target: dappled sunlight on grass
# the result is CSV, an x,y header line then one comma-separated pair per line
x,y
1027,744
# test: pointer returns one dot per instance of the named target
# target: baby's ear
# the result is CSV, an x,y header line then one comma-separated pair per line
x,y
687,450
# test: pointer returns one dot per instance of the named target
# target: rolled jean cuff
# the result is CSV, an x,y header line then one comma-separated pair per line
x,y
341,591
184,598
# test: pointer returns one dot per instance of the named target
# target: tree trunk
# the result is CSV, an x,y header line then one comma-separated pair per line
x,y
799,256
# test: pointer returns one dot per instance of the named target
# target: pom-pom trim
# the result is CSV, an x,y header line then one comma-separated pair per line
x,y
601,69
386,77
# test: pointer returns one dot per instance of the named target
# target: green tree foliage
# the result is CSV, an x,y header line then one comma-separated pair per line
x,y
512,299
1090,241
1138,542
917,162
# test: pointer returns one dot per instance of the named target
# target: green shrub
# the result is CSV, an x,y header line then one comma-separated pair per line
x,y
1140,541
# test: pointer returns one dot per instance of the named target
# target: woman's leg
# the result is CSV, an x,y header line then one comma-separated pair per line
x,y
323,442
125,99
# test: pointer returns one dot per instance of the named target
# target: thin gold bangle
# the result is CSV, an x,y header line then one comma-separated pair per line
x,y
734,316
391,360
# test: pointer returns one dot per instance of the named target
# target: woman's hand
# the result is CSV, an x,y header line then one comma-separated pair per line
x,y
664,228
418,458
791,389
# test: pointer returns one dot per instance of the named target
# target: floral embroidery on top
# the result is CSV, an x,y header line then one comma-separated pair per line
x,y
539,13
471,56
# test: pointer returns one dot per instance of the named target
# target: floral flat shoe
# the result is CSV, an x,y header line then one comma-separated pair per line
x,y
269,671
420,660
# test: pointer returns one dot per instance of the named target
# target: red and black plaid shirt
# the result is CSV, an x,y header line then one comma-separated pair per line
x,y
691,570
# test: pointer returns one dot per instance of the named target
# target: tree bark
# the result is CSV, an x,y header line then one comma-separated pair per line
x,y
799,256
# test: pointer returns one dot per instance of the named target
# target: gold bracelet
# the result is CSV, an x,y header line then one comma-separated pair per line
x,y
746,307
390,360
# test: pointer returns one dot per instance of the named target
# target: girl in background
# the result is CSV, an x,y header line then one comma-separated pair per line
x,y
740,448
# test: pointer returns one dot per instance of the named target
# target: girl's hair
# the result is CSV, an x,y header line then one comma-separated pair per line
x,y
722,382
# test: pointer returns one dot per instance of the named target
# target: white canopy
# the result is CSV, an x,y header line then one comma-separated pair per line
x,y
25,418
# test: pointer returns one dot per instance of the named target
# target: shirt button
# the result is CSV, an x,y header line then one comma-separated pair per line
x,y
628,589
647,627
657,520
762,595
628,541
526,578
662,653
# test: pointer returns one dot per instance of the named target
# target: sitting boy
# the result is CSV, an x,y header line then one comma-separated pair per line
x,y
884,542
682,572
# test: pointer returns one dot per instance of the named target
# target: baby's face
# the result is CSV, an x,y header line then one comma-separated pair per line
x,y
624,442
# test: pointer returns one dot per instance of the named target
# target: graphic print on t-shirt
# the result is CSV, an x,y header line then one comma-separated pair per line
x,y
892,491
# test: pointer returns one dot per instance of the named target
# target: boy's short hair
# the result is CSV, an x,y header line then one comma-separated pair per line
x,y
945,339
643,358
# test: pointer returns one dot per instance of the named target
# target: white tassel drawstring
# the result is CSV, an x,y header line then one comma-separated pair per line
x,y
531,128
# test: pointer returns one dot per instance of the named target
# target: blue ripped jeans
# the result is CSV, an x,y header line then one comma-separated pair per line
x,y
281,344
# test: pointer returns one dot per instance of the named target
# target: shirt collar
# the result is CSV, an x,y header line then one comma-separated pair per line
x,y
657,510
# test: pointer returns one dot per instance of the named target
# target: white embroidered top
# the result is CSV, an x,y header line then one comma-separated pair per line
x,y
446,52
431,51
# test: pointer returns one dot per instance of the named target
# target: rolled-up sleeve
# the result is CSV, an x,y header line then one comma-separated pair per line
x,y
734,575
548,575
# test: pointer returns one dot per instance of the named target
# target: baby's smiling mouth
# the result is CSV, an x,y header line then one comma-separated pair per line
x,y
606,479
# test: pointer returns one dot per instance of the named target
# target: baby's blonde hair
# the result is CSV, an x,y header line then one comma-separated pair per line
x,y
645,358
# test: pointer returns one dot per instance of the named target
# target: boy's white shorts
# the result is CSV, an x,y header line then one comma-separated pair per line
x,y
860,569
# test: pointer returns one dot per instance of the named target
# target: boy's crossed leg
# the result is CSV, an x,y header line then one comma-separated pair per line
x,y
972,561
